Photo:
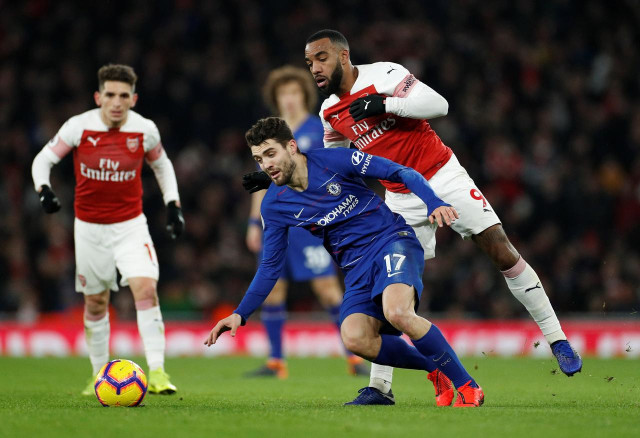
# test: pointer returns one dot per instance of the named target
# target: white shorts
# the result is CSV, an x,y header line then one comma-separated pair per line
x,y
101,248
454,186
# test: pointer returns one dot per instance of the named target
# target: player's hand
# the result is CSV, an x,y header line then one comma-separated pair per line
x,y
442,215
49,201
175,220
231,322
254,238
256,181
367,106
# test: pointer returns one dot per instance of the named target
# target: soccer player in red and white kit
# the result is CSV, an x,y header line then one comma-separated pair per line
x,y
382,109
109,145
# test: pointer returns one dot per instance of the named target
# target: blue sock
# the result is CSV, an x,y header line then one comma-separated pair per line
x,y
273,318
334,312
434,344
395,352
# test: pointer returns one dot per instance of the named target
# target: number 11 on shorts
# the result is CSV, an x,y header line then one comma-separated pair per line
x,y
398,259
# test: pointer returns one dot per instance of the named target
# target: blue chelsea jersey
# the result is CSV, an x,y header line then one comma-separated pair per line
x,y
309,135
337,206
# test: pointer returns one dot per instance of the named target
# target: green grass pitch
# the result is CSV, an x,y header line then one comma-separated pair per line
x,y
523,397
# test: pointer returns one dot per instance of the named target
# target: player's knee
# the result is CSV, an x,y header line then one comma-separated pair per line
x,y
496,244
398,316
144,291
352,343
96,305
357,344
356,339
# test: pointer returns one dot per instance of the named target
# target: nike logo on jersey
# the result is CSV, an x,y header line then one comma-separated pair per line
x,y
94,141
537,286
395,273
336,116
486,210
299,213
366,104
390,70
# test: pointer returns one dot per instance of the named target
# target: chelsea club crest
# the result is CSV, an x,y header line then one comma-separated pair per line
x,y
334,188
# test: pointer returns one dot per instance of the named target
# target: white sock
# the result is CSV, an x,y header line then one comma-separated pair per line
x,y
97,336
151,328
527,288
381,377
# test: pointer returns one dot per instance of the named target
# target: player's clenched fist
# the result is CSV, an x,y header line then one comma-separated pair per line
x,y
231,322
443,215
367,106
175,220
256,181
49,201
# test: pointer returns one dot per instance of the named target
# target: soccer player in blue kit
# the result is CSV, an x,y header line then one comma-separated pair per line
x,y
291,94
382,260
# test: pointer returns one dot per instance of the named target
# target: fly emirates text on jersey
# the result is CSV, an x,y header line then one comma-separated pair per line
x,y
107,171
367,135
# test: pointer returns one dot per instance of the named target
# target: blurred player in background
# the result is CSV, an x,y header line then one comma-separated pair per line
x,y
109,145
382,109
323,192
291,94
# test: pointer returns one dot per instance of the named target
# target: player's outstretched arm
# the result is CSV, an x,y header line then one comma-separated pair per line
x,y
357,163
230,323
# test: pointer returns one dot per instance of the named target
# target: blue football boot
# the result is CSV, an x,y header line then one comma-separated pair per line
x,y
569,360
372,396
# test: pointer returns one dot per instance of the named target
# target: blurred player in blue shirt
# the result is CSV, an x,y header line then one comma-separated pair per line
x,y
291,93
323,192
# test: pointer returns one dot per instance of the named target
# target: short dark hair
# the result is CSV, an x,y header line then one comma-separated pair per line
x,y
284,75
269,128
334,36
117,72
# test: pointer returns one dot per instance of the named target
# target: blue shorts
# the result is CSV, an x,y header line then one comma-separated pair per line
x,y
306,257
399,261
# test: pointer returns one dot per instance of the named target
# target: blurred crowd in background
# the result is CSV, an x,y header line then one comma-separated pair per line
x,y
544,112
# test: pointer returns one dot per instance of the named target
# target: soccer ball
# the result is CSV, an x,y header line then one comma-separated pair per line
x,y
121,382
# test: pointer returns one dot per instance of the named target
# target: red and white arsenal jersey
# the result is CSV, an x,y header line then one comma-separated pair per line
x,y
107,164
410,142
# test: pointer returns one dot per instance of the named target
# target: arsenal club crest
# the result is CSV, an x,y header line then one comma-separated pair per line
x,y
133,143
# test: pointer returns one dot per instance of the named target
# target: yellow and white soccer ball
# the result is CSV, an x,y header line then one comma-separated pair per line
x,y
121,382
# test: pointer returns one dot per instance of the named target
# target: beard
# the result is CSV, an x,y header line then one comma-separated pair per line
x,y
333,86
287,172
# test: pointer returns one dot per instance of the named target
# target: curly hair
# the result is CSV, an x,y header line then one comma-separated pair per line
x,y
116,72
269,128
284,75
